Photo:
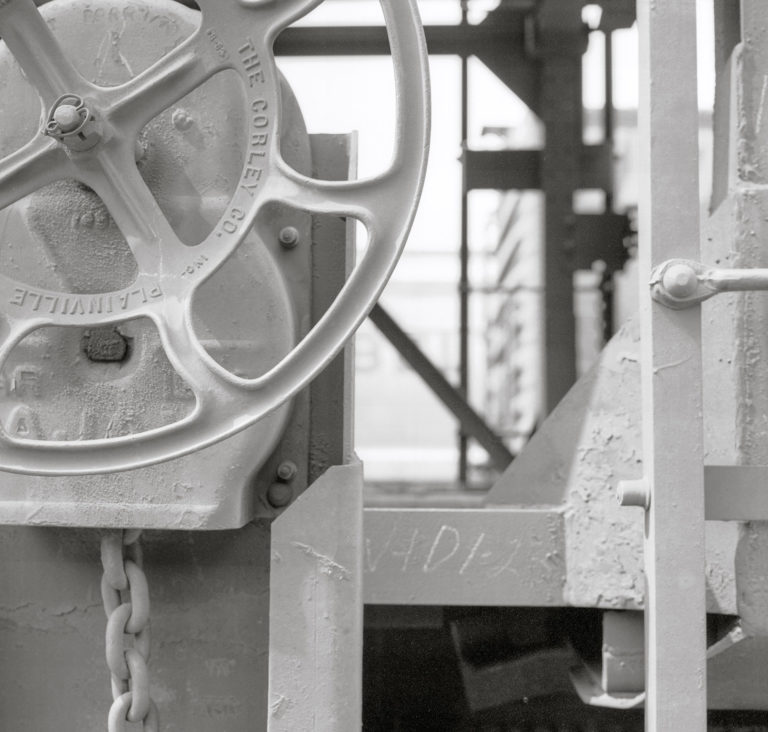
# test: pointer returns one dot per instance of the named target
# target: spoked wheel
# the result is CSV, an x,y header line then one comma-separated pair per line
x,y
89,134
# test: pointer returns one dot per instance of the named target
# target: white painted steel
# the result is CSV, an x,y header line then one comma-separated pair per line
x,y
169,273
681,283
671,372
316,607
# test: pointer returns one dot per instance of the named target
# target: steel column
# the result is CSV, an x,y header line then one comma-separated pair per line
x,y
464,253
562,41
671,372
316,608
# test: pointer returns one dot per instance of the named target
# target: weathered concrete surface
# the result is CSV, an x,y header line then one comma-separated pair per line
x,y
209,595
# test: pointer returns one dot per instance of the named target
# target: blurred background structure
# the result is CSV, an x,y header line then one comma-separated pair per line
x,y
519,267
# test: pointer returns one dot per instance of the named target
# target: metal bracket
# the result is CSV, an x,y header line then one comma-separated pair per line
x,y
683,283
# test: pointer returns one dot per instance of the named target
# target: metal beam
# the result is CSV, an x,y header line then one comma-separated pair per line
x,y
601,237
472,423
676,675
521,169
480,557
736,492
560,29
359,40
316,608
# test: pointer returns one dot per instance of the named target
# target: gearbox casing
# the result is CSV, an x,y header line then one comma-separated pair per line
x,y
79,383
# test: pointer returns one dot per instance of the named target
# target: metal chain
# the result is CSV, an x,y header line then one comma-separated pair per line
x,y
125,593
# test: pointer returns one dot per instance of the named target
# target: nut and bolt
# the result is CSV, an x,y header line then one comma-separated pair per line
x,y
286,471
680,280
279,495
72,123
289,237
634,493
67,117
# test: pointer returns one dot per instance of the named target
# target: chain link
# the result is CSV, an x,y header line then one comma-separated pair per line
x,y
125,593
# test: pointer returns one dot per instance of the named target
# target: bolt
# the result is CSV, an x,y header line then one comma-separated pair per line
x,y
182,120
680,281
633,493
289,237
279,495
286,471
67,117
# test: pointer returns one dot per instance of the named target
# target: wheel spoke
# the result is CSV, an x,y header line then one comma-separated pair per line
x,y
174,76
39,162
360,199
211,384
12,332
117,181
37,51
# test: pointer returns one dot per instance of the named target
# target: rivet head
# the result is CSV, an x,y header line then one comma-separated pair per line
x,y
680,280
289,237
279,495
182,120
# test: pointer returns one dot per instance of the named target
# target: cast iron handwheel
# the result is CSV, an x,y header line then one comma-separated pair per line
x,y
90,135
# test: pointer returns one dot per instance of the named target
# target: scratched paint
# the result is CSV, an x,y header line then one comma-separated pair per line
x,y
463,557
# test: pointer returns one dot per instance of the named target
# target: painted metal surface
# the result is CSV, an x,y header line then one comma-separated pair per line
x,y
210,591
673,460
331,394
681,283
63,237
316,608
464,557
210,634
169,274
574,464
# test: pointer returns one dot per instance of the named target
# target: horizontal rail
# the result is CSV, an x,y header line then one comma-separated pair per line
x,y
682,283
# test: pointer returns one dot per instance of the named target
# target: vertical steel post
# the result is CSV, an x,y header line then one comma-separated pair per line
x,y
671,372
562,41
464,254
316,608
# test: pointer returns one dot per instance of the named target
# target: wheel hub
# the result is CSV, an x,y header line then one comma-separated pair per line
x,y
72,123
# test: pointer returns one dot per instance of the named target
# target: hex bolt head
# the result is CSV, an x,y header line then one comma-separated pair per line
x,y
67,117
289,237
680,281
286,471
279,495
